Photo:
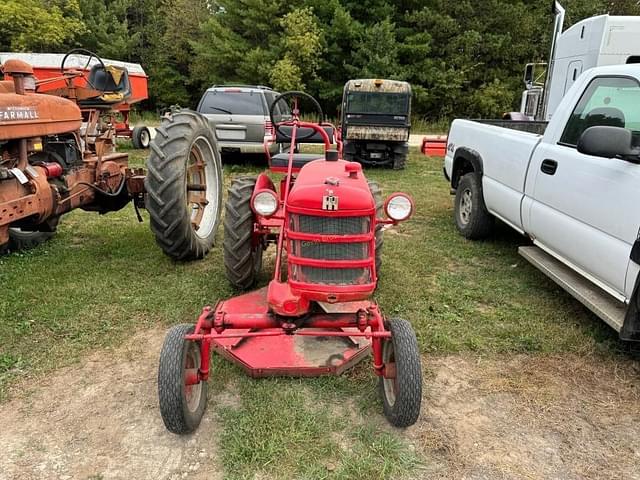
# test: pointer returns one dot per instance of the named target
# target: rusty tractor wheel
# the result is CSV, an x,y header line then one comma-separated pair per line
x,y
401,385
20,240
242,256
184,186
376,191
182,400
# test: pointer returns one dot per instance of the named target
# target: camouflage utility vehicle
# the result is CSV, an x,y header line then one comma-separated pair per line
x,y
376,119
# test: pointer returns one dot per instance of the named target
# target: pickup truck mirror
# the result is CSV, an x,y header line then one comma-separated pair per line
x,y
608,142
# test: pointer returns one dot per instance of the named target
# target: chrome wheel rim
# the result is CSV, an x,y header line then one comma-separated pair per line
x,y
466,205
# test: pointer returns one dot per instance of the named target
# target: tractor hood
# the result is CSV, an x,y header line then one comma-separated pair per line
x,y
36,115
331,186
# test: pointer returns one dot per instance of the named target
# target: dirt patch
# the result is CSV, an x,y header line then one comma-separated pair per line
x,y
524,417
100,420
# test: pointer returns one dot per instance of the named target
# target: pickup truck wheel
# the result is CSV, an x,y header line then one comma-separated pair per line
x,y
472,218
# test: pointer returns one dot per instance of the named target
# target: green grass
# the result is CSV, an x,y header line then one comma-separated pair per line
x,y
103,277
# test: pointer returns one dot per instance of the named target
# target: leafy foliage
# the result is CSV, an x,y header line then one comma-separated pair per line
x,y
463,58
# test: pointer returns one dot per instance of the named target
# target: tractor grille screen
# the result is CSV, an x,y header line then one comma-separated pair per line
x,y
330,251
330,225
331,276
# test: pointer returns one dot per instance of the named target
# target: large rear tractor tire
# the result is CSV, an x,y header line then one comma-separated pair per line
x,y
401,386
182,403
376,191
242,256
473,220
184,186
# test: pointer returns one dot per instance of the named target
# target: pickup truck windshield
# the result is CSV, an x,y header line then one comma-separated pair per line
x,y
607,101
232,103
377,103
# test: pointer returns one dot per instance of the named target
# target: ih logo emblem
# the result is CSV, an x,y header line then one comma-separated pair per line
x,y
330,201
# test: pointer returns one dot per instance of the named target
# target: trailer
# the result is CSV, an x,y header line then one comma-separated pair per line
x,y
46,66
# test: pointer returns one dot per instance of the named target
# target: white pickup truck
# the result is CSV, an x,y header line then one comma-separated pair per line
x,y
572,186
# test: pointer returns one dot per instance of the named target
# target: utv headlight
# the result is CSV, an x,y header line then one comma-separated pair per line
x,y
399,207
265,203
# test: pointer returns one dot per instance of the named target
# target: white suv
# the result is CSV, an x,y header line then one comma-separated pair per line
x,y
239,116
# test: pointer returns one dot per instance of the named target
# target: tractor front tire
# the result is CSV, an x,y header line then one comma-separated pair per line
x,y
242,257
140,137
402,391
376,191
181,406
184,186
473,220
20,240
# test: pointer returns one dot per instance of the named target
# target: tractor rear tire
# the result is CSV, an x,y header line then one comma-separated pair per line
x,y
20,240
183,153
400,156
242,258
181,406
402,395
473,220
140,137
376,191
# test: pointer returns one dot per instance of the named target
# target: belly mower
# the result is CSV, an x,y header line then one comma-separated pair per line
x,y
316,316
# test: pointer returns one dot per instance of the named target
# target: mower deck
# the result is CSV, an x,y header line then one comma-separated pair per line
x,y
305,351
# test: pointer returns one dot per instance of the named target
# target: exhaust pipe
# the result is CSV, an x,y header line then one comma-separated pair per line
x,y
559,12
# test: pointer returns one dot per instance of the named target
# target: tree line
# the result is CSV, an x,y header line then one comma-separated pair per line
x,y
463,58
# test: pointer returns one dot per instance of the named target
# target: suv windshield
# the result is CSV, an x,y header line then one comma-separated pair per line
x,y
232,102
377,103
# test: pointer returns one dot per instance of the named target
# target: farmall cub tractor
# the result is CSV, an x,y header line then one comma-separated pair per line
x,y
316,315
57,153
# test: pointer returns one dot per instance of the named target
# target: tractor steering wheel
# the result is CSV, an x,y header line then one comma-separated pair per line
x,y
91,55
294,97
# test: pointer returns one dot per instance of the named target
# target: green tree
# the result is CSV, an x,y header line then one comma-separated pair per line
x,y
39,25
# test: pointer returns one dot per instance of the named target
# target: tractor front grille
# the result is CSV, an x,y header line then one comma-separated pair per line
x,y
330,251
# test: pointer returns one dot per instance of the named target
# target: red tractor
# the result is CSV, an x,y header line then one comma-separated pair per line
x,y
316,315
58,153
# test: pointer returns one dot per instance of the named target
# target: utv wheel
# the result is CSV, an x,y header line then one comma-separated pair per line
x,y
184,186
141,137
242,257
20,240
377,195
400,156
472,218
181,405
401,387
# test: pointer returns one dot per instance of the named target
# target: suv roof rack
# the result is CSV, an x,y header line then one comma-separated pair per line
x,y
239,85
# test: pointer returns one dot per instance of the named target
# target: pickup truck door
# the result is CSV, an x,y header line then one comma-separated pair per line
x,y
584,209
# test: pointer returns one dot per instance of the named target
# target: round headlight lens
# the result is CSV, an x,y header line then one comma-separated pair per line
x,y
265,203
399,208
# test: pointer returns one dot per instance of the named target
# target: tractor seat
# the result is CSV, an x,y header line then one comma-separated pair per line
x,y
281,160
112,81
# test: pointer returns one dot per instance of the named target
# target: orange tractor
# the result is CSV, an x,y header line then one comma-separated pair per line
x,y
58,153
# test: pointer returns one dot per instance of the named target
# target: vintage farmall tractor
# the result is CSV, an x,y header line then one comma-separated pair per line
x,y
58,153
316,315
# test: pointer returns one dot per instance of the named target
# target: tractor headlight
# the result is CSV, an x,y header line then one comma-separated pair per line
x,y
399,207
265,203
